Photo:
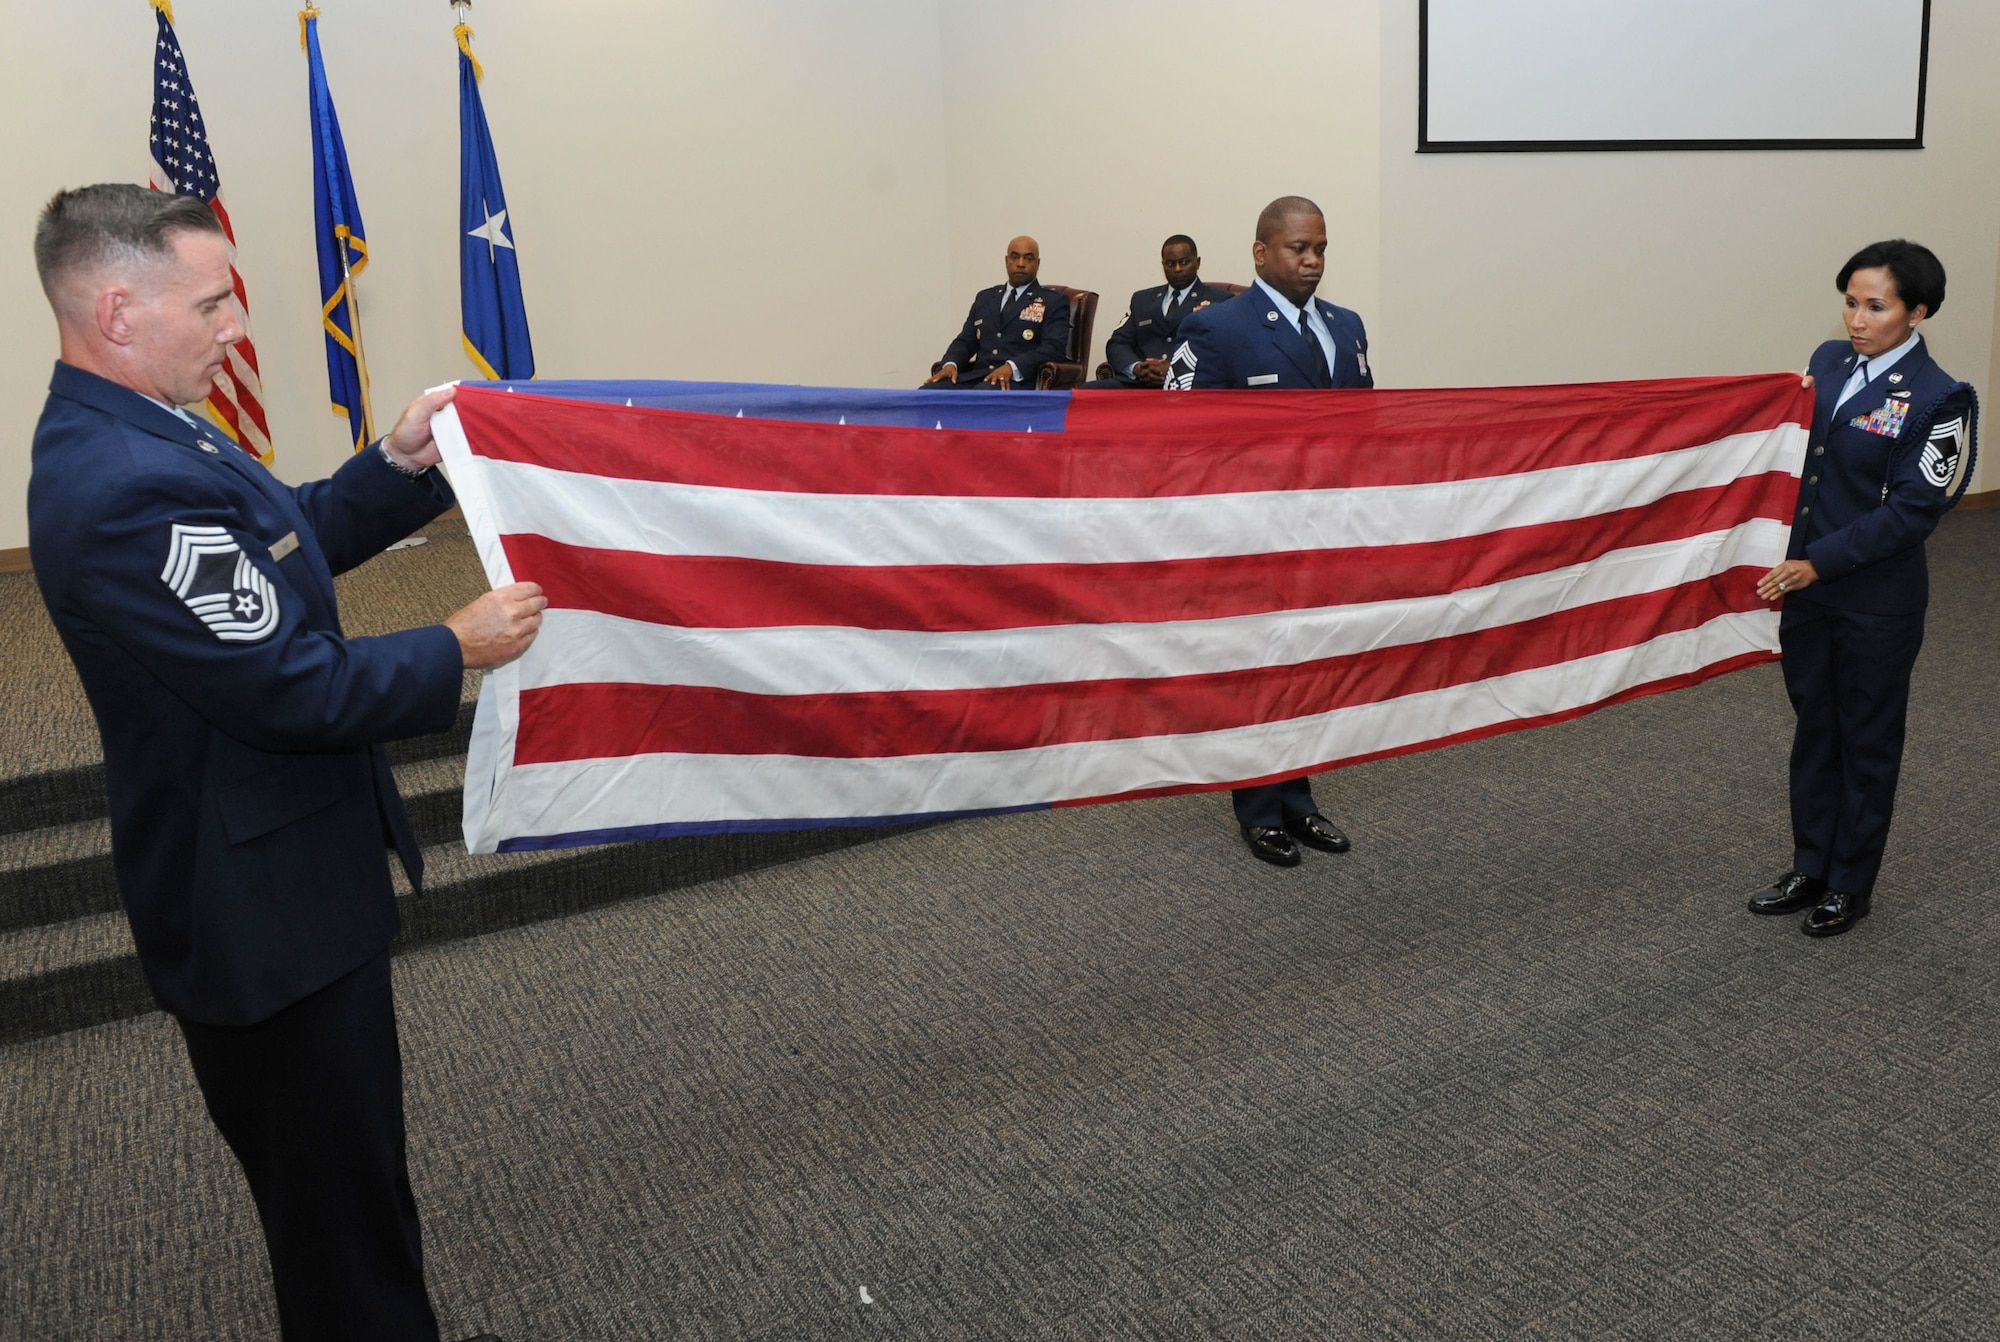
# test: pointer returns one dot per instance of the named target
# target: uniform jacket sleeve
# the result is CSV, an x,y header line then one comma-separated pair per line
x,y
1119,351
296,685
966,343
1919,493
1199,346
368,505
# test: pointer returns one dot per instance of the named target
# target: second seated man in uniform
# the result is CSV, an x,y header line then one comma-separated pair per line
x,y
1011,331
1276,334
1138,349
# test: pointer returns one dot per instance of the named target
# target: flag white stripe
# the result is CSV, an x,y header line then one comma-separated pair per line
x,y
552,799
587,646
848,529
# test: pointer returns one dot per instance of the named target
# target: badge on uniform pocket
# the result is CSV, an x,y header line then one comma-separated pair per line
x,y
1034,312
1886,420
1028,333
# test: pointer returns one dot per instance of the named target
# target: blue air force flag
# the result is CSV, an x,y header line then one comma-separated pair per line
x,y
494,318
343,250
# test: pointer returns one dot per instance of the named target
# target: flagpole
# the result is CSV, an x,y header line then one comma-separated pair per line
x,y
354,330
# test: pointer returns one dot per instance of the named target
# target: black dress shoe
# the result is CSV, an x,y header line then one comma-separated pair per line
x,y
1789,894
1316,831
1835,914
1271,845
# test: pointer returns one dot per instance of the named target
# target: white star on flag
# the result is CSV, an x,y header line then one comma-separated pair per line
x,y
494,230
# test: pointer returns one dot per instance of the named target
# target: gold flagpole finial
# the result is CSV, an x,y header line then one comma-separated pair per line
x,y
165,7
306,15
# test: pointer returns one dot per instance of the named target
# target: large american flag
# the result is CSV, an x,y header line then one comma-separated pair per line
x,y
184,165
757,622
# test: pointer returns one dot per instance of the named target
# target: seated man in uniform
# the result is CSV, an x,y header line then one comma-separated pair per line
x,y
1138,349
1011,331
1276,334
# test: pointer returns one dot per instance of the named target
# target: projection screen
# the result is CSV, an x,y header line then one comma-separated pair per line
x,y
1665,74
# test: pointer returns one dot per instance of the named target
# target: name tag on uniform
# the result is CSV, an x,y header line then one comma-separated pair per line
x,y
1263,380
284,545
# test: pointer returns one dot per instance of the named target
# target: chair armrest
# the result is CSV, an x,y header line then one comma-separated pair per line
x,y
1058,375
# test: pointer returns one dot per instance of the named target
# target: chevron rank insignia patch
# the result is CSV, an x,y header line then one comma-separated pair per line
x,y
208,571
1180,369
1940,458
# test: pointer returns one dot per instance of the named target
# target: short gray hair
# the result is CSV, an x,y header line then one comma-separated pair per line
x,y
113,221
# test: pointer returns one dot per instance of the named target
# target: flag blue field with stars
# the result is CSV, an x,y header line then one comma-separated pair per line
x,y
338,234
494,317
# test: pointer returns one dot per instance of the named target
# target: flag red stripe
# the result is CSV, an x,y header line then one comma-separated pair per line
x,y
720,592
593,721
226,408
1327,440
1663,686
222,217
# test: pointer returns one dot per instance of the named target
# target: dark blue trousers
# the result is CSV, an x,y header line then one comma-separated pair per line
x,y
1848,675
311,1102
1270,805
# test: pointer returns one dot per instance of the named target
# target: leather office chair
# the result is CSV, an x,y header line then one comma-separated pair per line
x,y
1068,370
1104,369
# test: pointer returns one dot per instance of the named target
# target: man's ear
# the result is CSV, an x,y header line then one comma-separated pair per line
x,y
1259,254
114,314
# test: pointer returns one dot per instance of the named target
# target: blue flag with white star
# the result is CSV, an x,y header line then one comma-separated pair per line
x,y
494,317
339,237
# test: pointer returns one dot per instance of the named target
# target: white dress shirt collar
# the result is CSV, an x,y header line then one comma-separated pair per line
x,y
1868,370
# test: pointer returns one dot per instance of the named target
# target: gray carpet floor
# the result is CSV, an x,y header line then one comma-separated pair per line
x,y
1519,1066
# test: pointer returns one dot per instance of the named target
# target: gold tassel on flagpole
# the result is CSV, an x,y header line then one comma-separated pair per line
x,y
165,7
464,36
306,15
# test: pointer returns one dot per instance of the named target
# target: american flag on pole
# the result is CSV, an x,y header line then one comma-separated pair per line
x,y
761,622
184,165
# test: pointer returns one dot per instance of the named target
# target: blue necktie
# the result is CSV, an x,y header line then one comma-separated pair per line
x,y
1315,354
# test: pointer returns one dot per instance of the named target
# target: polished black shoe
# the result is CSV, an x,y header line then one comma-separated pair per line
x,y
1271,845
1789,894
1835,914
1316,831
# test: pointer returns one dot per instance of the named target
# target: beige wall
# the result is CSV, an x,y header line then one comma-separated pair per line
x,y
1120,123
797,190
1532,268
681,177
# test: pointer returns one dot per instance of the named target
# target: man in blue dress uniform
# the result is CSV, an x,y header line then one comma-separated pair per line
x,y
1011,330
1277,334
251,801
1889,435
1137,351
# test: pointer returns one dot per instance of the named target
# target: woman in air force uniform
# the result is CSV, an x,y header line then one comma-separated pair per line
x,y
1891,435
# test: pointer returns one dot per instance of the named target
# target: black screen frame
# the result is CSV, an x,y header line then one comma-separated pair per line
x,y
1426,145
